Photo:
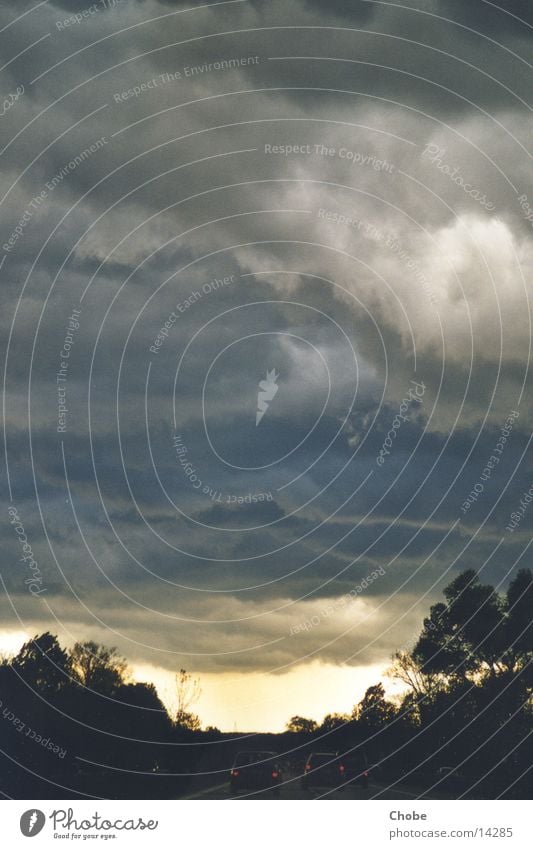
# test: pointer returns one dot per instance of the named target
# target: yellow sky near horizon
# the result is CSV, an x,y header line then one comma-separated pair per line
x,y
256,701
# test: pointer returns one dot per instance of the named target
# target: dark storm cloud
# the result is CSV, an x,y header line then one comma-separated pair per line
x,y
434,274
514,17
254,513
359,10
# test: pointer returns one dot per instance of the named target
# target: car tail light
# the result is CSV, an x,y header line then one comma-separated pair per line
x,y
341,768
307,767
365,774
275,774
235,772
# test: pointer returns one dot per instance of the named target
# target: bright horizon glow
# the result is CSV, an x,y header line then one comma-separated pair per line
x,y
255,701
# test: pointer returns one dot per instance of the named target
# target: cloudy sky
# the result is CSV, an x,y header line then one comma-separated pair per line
x,y
193,196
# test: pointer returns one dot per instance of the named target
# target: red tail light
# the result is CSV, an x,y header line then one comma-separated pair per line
x,y
341,768
275,775
307,767
365,774
234,772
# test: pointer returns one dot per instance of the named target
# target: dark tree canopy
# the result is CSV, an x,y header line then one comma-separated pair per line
x,y
374,710
301,725
467,703
43,664
98,668
478,632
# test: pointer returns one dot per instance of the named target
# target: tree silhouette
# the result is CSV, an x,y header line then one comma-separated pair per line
x,y
470,682
301,725
405,668
468,704
188,692
332,721
374,711
43,664
477,632
518,634
98,668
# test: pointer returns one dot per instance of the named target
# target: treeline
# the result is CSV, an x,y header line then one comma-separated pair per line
x,y
73,724
465,719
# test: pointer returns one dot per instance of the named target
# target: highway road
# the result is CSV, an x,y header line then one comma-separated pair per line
x,y
291,789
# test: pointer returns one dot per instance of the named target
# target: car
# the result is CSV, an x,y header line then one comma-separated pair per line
x,y
255,771
353,769
321,770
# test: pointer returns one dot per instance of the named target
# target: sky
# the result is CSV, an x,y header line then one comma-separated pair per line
x,y
315,211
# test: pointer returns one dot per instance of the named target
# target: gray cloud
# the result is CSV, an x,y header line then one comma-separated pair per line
x,y
356,263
